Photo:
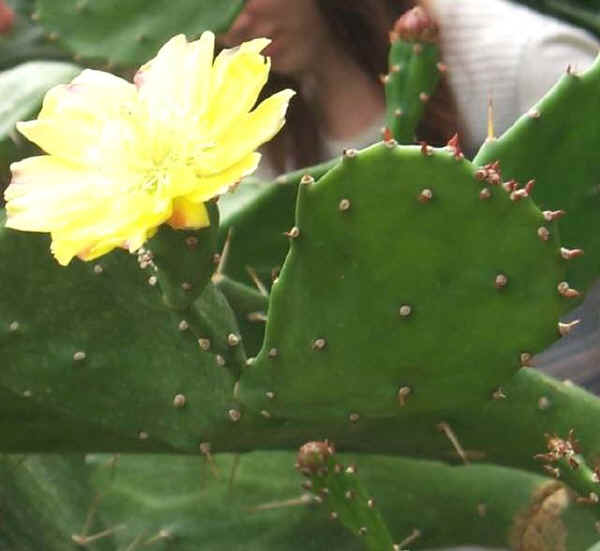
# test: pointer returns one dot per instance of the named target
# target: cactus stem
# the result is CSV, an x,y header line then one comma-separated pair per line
x,y
544,403
344,205
142,435
568,254
319,344
485,193
354,417
501,281
14,326
405,310
273,353
565,328
551,215
98,269
294,233
402,395
179,400
79,356
449,433
566,291
543,233
270,395
425,196
234,415
498,394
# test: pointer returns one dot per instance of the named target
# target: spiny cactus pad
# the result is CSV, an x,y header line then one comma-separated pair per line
x,y
405,283
94,343
129,33
557,143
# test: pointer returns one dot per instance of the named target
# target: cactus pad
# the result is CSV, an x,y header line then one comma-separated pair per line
x,y
408,281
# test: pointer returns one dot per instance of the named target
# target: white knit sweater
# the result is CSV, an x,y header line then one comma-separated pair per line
x,y
492,48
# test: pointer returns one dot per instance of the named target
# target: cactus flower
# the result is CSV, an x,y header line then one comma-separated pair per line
x,y
124,158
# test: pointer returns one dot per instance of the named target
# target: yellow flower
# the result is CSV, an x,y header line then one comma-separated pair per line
x,y
124,158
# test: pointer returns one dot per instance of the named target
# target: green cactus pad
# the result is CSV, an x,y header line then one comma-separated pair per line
x,y
402,285
254,502
93,342
129,33
414,72
557,144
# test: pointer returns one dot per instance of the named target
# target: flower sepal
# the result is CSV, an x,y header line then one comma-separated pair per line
x,y
181,261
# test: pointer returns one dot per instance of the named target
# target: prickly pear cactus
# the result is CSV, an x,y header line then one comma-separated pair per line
x,y
402,293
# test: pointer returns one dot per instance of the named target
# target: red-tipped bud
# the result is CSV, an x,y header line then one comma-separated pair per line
x,y
416,25
7,17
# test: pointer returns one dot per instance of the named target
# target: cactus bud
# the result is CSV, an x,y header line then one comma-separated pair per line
x,y
313,456
415,25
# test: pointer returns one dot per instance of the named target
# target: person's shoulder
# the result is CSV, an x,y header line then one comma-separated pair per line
x,y
495,22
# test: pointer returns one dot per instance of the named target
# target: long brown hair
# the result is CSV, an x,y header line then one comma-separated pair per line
x,y
362,26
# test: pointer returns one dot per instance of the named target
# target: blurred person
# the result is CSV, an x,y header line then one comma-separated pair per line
x,y
333,52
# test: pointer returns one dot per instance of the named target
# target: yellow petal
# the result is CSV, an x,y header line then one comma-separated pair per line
x,y
92,120
238,77
188,215
219,183
175,84
246,134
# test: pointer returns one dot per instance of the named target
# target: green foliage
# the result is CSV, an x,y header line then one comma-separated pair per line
x,y
583,13
557,144
129,33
